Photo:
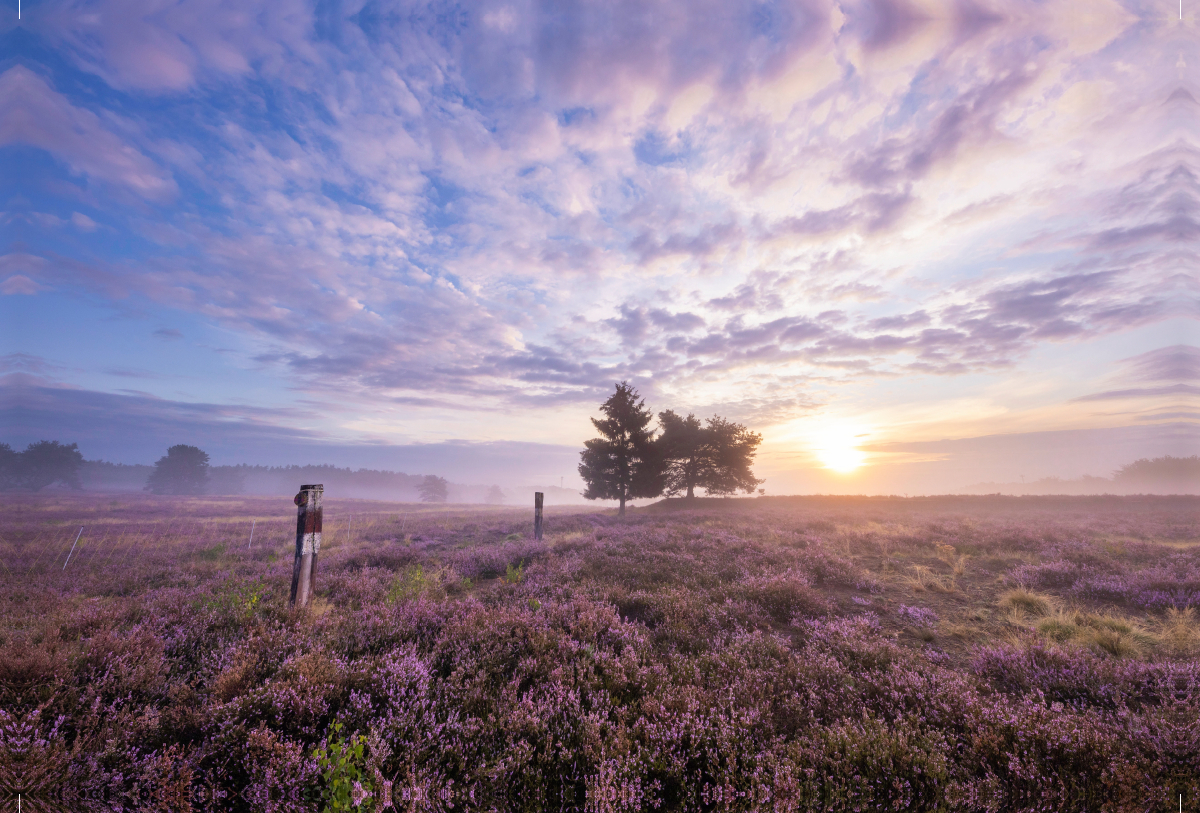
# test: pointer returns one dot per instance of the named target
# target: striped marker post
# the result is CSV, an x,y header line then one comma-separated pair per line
x,y
308,543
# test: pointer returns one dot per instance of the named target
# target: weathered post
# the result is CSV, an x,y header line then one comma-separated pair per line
x,y
537,515
308,543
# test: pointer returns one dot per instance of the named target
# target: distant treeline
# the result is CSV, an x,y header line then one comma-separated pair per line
x,y
365,484
1160,475
100,475
1161,470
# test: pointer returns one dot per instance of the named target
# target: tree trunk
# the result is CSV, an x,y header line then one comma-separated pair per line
x,y
691,495
621,513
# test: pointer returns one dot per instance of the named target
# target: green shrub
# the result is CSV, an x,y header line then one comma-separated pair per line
x,y
347,787
412,583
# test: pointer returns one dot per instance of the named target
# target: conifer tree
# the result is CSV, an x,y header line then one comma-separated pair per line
x,y
622,464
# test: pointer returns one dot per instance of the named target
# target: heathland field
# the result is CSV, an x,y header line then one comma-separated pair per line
x,y
976,653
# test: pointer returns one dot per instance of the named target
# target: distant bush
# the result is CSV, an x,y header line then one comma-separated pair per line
x,y
1161,472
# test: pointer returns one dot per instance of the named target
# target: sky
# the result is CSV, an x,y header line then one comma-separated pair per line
x,y
915,245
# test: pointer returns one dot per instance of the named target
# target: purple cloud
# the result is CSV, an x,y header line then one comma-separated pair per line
x,y
501,205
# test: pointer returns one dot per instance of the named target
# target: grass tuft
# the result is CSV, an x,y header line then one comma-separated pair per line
x,y
1028,602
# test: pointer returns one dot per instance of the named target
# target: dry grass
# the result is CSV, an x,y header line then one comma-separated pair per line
x,y
1026,602
1059,626
963,632
925,579
1180,634
957,561
1112,642
1101,632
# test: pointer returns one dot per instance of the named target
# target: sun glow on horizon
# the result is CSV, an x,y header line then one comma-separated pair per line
x,y
838,451
843,461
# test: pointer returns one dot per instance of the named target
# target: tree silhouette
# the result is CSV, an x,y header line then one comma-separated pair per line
x,y
734,447
685,452
183,470
623,463
495,495
433,488
716,457
10,462
1161,472
49,461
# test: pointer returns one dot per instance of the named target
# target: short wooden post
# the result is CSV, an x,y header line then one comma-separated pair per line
x,y
308,543
537,515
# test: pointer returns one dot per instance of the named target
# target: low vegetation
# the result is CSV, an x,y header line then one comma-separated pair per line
x,y
761,654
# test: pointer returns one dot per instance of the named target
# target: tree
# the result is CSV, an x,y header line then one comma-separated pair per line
x,y
184,470
716,457
1163,473
685,452
495,495
433,488
47,462
623,463
734,447
10,472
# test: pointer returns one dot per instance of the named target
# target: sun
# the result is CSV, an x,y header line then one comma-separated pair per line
x,y
843,460
838,451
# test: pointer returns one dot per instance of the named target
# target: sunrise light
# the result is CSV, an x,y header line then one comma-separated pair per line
x,y
838,451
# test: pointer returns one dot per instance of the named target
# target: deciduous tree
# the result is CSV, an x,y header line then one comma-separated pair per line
x,y
433,489
733,450
47,462
622,464
715,456
685,452
9,471
1162,473
183,470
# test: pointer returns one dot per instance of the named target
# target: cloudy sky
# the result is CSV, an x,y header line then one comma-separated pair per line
x,y
938,241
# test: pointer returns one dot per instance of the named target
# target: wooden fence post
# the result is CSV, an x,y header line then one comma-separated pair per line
x,y
537,515
308,543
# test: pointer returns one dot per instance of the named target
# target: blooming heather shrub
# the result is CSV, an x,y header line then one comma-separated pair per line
x,y
493,561
1075,677
1058,573
783,597
920,616
1174,583
689,661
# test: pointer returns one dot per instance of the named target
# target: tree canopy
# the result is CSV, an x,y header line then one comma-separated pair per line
x,y
627,461
715,456
183,470
42,464
1161,472
433,488
623,463
10,462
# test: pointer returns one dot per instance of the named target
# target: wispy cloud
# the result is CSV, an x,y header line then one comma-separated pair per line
x,y
509,205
